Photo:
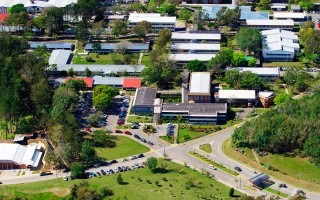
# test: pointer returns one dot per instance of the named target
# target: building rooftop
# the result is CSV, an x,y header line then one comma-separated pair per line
x,y
189,57
3,17
237,94
59,57
132,82
100,80
106,69
114,46
276,39
262,71
194,109
28,3
289,15
254,15
145,96
266,22
195,46
266,94
196,35
150,17
295,7
200,83
116,16
51,45
88,81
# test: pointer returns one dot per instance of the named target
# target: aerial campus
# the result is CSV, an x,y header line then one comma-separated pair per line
x,y
160,99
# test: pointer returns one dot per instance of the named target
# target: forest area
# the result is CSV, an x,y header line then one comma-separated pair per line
x,y
292,127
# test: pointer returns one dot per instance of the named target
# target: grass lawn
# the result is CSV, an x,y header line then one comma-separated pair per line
x,y
102,59
140,119
276,192
206,148
125,147
146,60
169,139
172,185
295,170
283,64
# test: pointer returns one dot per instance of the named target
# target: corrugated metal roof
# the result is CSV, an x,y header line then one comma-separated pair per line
x,y
237,94
11,153
106,69
59,57
100,80
50,45
113,46
189,57
200,83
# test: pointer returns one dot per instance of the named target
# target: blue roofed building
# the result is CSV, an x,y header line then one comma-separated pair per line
x,y
51,45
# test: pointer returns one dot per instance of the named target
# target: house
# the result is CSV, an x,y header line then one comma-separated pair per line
x,y
266,98
108,70
279,45
131,83
157,21
270,73
197,113
295,16
16,156
51,45
200,87
111,81
265,24
88,81
111,47
3,17
144,100
238,97
60,57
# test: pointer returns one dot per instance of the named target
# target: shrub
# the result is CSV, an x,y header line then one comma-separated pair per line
x,y
231,192
106,192
120,179
89,58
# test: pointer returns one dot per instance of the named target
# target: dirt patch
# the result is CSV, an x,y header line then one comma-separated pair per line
x,y
60,192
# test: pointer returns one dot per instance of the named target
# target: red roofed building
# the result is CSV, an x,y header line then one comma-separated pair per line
x,y
88,81
131,83
3,17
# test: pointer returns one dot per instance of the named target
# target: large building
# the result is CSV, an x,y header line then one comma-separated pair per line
x,y
144,100
157,21
266,24
270,74
51,45
279,45
236,97
16,156
34,6
194,45
296,17
200,87
60,57
197,113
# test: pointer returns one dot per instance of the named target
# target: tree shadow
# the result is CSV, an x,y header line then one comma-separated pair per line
x,y
159,170
124,183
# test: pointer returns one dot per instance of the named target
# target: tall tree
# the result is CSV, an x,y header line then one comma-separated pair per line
x,y
221,60
102,96
201,19
81,31
164,37
196,66
88,153
227,17
119,27
52,19
17,8
141,29
249,39
185,14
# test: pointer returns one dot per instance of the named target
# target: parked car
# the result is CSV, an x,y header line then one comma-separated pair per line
x,y
143,140
65,178
98,173
118,131
140,155
127,133
238,169
111,171
150,143
282,185
88,130
212,167
120,169
120,121
124,168
125,159
65,170
116,170
113,161
123,109
137,136
134,126
103,172
133,157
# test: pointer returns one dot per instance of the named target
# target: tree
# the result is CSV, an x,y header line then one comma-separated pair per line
x,y
64,101
99,138
97,29
102,96
249,39
119,179
221,60
81,31
119,27
232,77
78,171
200,19
152,163
265,4
122,47
238,59
75,85
228,17
252,62
138,7
308,24
88,72
169,8
282,98
231,192
196,66
17,8
70,72
249,80
174,2
52,19
313,43
96,46
185,14
141,29
88,153
93,119
106,192
164,38
158,2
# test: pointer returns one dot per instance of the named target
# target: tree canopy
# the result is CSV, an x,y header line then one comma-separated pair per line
x,y
196,66
119,27
293,125
102,96
243,80
249,39
221,61
141,29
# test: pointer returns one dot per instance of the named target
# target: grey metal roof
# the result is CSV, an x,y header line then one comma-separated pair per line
x,y
196,108
254,15
145,96
106,69
113,46
259,179
51,45
295,7
59,57
100,80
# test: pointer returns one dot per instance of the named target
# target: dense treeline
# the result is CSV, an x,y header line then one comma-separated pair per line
x,y
291,126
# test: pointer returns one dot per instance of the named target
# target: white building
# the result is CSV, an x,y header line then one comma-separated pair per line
x,y
158,22
200,87
279,45
266,24
59,57
183,58
296,17
34,6
195,48
270,73
196,37
239,97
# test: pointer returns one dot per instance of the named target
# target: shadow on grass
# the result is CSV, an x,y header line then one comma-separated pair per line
x,y
159,170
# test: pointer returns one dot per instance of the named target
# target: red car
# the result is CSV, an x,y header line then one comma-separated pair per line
x,y
128,133
88,130
120,122
118,131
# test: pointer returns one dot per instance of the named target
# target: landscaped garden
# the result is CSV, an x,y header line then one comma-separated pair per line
x,y
124,147
206,148
190,132
175,182
140,119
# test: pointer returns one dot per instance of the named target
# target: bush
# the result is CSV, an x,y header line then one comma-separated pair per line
x,y
89,58
78,171
106,192
231,192
187,137
120,179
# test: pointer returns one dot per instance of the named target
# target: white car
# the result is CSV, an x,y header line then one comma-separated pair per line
x,y
65,178
115,170
212,167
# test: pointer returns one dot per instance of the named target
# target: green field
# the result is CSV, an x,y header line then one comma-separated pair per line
x,y
125,147
140,119
283,64
295,170
146,60
206,148
173,184
102,59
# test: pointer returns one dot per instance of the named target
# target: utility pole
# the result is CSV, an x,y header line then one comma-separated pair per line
x,y
240,182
